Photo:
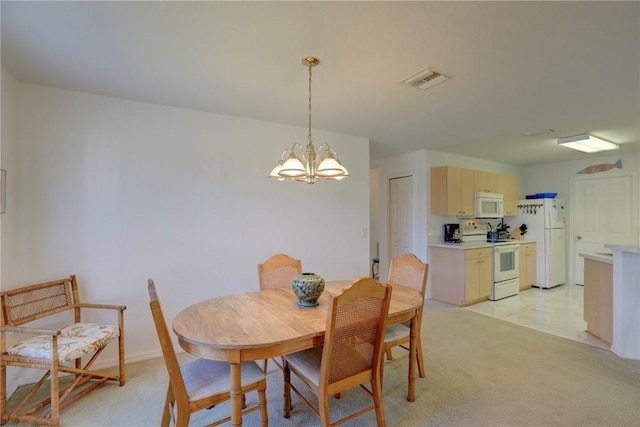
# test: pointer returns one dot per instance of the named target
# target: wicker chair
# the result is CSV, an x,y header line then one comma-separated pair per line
x,y
406,270
200,383
351,353
277,272
56,351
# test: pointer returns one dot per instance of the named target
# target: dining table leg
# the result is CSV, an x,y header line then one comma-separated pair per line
x,y
236,393
413,338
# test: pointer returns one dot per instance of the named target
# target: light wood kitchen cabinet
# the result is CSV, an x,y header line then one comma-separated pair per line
x,y
478,265
461,276
598,299
451,191
527,265
508,187
486,182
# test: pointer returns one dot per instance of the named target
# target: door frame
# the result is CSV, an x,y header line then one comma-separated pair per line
x,y
572,206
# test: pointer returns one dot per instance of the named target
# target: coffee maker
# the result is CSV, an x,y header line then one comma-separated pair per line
x,y
452,233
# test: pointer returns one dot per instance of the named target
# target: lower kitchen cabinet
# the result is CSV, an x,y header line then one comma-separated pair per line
x,y
527,265
461,276
598,299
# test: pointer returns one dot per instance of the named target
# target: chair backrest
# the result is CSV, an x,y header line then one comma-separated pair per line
x,y
23,305
407,270
170,359
355,333
277,271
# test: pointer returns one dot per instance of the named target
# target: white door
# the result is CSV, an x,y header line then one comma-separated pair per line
x,y
602,214
400,216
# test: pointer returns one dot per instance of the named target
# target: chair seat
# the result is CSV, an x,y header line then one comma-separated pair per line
x,y
307,363
203,378
396,332
74,341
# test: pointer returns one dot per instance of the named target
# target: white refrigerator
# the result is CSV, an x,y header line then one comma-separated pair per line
x,y
545,221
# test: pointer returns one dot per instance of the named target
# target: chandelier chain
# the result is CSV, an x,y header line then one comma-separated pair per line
x,y
309,137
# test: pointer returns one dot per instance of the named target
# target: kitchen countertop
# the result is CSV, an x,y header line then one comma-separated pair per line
x,y
474,245
608,256
635,249
598,256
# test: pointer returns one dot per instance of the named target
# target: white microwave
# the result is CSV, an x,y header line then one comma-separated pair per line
x,y
488,205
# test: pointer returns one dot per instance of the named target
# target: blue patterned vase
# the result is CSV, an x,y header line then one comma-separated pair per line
x,y
307,287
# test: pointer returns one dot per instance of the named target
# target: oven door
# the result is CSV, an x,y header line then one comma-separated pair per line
x,y
506,265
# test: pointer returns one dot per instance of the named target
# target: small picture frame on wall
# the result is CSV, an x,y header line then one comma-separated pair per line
x,y
3,190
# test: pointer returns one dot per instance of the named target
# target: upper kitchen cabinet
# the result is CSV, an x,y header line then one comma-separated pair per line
x,y
451,191
486,182
508,187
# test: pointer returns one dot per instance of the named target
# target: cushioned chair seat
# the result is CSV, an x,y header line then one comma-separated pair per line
x,y
74,341
204,377
397,331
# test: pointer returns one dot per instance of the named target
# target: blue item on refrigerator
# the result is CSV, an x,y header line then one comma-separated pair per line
x,y
546,195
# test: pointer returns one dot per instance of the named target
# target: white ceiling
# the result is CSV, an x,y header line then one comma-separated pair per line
x,y
515,67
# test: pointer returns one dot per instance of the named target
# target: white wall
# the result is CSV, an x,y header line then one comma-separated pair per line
x,y
557,177
374,200
8,133
413,164
116,192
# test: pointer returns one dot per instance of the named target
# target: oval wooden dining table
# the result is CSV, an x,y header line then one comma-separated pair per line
x,y
270,323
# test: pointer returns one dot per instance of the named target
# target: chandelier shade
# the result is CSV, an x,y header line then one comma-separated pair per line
x,y
307,165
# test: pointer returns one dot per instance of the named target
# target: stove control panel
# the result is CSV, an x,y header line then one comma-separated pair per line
x,y
474,228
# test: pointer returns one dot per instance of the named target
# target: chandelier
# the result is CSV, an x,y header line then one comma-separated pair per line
x,y
305,165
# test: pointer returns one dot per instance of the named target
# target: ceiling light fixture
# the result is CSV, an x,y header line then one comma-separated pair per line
x,y
587,143
538,132
301,165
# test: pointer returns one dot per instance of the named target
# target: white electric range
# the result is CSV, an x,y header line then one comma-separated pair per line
x,y
506,266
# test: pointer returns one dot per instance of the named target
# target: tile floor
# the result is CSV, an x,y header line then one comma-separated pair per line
x,y
557,311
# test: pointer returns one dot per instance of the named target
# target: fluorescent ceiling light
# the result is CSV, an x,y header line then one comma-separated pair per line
x,y
587,143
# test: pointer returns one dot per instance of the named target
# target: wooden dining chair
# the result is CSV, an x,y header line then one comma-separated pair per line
x,y
201,383
277,272
351,353
407,270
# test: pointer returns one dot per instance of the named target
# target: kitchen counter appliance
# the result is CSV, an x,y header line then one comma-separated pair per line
x,y
452,233
506,265
488,205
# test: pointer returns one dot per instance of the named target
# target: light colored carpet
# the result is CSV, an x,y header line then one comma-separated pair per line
x,y
481,371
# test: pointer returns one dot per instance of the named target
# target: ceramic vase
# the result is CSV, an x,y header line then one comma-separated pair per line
x,y
307,287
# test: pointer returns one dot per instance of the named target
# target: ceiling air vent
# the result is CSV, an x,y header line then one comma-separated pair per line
x,y
424,79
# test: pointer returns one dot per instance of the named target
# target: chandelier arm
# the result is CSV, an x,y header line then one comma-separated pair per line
x,y
285,154
299,153
323,150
